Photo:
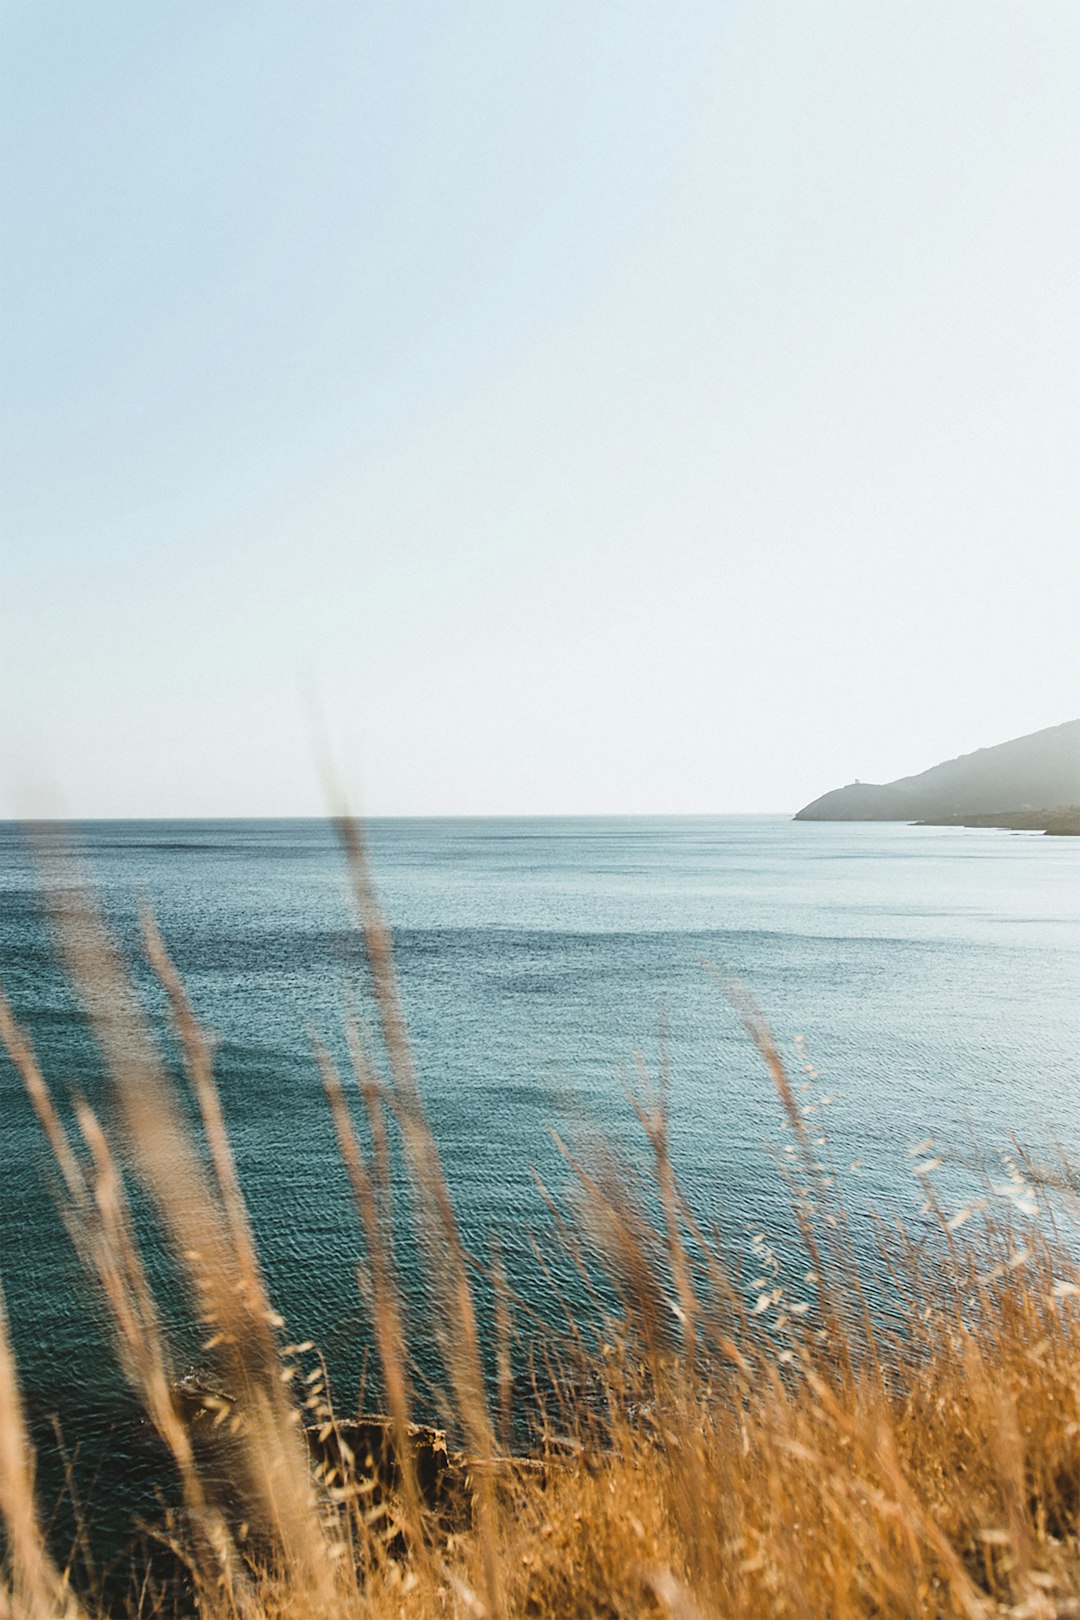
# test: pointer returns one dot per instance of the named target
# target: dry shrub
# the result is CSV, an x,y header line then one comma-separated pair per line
x,y
706,1452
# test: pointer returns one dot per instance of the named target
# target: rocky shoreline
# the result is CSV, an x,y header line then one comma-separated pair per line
x,y
359,1452
1063,822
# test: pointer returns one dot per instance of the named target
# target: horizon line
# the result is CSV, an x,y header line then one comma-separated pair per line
x,y
426,815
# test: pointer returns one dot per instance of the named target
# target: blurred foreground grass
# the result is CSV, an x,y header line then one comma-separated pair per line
x,y
699,1451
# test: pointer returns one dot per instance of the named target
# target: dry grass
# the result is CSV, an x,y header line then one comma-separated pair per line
x,y
707,1453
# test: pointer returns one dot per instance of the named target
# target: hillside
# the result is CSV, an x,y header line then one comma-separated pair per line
x,y
1037,772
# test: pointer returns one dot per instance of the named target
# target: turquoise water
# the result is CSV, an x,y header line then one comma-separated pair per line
x,y
933,973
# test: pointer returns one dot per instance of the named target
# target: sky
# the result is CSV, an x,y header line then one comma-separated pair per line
x,y
555,408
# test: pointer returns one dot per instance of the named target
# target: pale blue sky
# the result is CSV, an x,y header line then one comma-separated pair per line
x,y
600,406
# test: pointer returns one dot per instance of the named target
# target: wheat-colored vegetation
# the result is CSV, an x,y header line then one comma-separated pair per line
x,y
704,1450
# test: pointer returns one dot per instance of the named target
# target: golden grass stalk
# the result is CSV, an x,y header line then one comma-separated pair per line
x,y
97,1218
31,1587
460,1334
385,1305
204,1218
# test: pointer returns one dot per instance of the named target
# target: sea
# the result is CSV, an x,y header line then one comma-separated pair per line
x,y
921,984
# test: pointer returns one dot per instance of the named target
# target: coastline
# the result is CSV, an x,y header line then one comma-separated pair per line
x,y
1064,822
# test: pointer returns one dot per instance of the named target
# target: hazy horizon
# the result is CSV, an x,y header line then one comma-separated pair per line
x,y
640,410
38,814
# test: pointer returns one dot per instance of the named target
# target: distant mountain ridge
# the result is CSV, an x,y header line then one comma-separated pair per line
x,y
1038,772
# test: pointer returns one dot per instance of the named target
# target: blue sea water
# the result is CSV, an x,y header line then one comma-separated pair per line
x,y
932,974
